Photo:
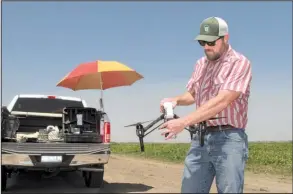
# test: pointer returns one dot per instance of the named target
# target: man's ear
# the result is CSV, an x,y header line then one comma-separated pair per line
x,y
226,38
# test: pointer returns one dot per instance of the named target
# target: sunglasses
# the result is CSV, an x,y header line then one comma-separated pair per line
x,y
203,43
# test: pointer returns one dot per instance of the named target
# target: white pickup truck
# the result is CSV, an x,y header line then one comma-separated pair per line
x,y
52,134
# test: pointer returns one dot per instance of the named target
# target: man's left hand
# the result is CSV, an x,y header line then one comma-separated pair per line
x,y
173,127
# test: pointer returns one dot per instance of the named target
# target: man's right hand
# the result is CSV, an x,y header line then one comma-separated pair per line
x,y
173,100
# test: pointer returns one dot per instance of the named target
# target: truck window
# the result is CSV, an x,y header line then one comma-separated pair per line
x,y
44,105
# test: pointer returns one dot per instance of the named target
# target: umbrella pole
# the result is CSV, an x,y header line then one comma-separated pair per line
x,y
101,99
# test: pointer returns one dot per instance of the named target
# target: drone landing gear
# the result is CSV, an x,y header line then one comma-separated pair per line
x,y
140,133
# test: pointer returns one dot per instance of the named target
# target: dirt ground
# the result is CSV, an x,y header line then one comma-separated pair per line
x,y
128,174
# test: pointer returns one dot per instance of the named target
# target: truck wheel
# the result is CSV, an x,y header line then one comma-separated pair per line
x,y
3,178
94,179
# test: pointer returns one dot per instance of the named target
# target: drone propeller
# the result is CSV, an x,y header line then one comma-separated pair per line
x,y
138,123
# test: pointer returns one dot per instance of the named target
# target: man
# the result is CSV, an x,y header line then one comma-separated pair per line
x,y
220,87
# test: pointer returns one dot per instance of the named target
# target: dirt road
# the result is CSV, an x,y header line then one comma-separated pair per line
x,y
136,175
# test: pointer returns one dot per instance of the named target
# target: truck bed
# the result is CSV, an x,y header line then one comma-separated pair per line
x,y
32,124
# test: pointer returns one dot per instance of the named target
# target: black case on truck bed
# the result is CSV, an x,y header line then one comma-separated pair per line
x,y
81,125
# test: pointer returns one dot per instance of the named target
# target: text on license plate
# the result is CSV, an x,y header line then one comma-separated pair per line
x,y
51,159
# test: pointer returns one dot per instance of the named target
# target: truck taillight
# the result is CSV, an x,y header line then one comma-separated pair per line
x,y
107,132
51,97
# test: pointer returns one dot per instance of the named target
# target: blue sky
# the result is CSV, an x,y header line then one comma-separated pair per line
x,y
41,42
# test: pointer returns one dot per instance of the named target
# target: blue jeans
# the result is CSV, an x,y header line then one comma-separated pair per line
x,y
223,156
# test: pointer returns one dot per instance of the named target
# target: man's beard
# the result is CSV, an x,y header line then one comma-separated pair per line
x,y
212,56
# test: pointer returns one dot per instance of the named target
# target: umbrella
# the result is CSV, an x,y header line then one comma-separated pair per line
x,y
99,75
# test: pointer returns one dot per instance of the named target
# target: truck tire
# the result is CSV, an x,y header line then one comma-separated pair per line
x,y
94,179
3,178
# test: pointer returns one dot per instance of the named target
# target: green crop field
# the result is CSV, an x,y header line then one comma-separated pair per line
x,y
264,157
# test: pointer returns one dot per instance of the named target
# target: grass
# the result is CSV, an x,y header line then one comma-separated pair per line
x,y
264,157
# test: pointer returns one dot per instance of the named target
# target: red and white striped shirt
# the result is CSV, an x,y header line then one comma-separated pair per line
x,y
231,72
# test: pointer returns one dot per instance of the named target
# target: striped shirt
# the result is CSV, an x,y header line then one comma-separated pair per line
x,y
231,72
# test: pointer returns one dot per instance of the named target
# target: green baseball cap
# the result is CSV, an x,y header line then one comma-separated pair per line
x,y
212,28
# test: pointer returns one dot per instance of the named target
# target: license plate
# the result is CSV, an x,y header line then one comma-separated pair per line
x,y
51,159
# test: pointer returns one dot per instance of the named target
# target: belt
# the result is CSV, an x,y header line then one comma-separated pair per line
x,y
219,127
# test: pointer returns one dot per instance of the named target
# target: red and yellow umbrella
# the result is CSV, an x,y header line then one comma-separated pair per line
x,y
99,75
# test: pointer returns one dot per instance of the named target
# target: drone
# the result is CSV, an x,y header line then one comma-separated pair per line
x,y
141,131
